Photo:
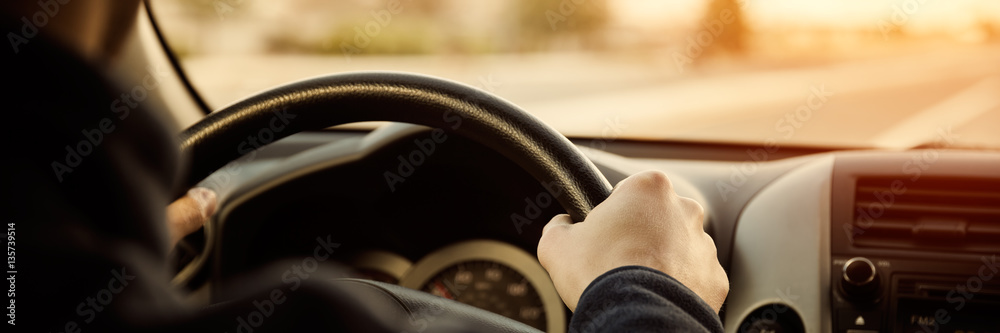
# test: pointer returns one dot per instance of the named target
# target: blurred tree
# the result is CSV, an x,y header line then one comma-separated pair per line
x,y
543,22
193,14
204,9
732,38
991,29
196,8
434,7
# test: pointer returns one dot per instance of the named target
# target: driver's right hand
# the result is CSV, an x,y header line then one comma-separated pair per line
x,y
645,223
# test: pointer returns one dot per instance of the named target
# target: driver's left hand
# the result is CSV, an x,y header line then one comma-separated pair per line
x,y
189,213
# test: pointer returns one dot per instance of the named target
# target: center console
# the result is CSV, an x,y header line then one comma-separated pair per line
x,y
914,243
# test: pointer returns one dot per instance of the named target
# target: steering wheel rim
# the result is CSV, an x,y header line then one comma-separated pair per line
x,y
325,101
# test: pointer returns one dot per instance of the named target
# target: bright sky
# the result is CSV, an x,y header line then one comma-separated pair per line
x,y
950,15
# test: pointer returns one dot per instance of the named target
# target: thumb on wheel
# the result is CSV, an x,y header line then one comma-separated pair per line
x,y
551,235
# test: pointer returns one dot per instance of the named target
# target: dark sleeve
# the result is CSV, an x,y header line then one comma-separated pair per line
x,y
641,299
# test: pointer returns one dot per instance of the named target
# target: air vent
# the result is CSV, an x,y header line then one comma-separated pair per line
x,y
933,214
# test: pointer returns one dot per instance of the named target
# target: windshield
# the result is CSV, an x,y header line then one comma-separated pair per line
x,y
828,73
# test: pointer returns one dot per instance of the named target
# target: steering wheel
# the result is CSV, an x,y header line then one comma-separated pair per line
x,y
326,101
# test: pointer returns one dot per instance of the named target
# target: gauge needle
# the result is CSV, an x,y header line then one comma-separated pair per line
x,y
442,290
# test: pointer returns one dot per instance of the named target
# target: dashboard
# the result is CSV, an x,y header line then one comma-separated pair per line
x,y
813,241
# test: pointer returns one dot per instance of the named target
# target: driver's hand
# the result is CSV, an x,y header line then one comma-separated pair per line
x,y
642,223
189,213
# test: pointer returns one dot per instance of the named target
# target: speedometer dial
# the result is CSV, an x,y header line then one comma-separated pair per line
x,y
490,286
492,276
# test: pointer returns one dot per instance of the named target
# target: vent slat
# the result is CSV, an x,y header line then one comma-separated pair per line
x,y
933,208
933,193
950,214
985,230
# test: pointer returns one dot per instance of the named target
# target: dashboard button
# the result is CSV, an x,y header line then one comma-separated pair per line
x,y
860,280
857,320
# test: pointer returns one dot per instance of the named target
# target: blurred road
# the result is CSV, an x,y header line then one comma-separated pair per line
x,y
893,102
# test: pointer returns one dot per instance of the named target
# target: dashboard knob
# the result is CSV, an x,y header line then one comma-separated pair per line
x,y
860,280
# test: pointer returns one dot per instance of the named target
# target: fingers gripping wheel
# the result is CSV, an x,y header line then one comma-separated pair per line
x,y
384,96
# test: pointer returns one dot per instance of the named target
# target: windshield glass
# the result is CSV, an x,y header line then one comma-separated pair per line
x,y
828,73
